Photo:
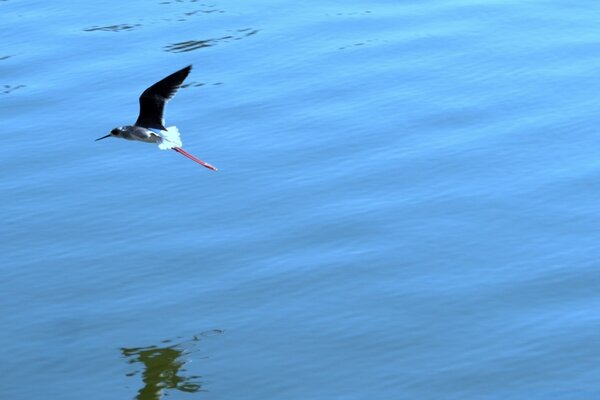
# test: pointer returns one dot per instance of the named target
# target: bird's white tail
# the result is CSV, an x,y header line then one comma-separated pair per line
x,y
169,138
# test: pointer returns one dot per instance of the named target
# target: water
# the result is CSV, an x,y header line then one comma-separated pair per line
x,y
406,207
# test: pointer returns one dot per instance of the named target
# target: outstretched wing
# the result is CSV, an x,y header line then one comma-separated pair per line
x,y
152,101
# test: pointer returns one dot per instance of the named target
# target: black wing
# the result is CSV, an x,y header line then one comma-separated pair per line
x,y
152,101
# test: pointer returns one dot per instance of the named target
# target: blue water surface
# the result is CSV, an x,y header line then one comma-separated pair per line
x,y
406,208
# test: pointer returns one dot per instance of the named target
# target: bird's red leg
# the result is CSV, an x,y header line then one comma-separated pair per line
x,y
191,157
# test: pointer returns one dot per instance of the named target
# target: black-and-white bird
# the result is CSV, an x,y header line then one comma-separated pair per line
x,y
150,125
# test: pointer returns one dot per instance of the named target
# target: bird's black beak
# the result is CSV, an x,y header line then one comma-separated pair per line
x,y
103,137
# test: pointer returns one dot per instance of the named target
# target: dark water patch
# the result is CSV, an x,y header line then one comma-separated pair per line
x,y
162,368
6,89
112,28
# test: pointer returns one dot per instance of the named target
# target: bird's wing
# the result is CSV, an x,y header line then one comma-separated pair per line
x,y
152,101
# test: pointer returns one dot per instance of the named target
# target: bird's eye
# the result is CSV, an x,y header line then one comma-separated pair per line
x,y
114,132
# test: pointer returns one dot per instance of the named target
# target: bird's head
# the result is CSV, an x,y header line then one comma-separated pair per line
x,y
115,132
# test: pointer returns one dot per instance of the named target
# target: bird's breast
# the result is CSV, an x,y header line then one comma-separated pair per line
x,y
140,134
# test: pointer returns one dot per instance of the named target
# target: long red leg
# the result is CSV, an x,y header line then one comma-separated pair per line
x,y
191,157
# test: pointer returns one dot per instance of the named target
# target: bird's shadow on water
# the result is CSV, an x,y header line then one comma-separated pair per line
x,y
162,369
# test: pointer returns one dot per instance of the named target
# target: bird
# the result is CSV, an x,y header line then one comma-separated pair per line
x,y
150,124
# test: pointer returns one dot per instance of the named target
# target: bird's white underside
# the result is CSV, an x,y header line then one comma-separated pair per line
x,y
169,138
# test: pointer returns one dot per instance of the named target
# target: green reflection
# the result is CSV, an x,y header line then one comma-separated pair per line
x,y
163,367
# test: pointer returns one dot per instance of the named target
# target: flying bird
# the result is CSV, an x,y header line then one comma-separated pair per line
x,y
150,125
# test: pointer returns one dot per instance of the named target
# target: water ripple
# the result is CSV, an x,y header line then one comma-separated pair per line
x,y
184,1
363,43
112,28
367,12
198,84
6,89
209,11
191,45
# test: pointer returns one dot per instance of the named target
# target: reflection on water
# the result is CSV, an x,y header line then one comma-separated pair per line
x,y
162,366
